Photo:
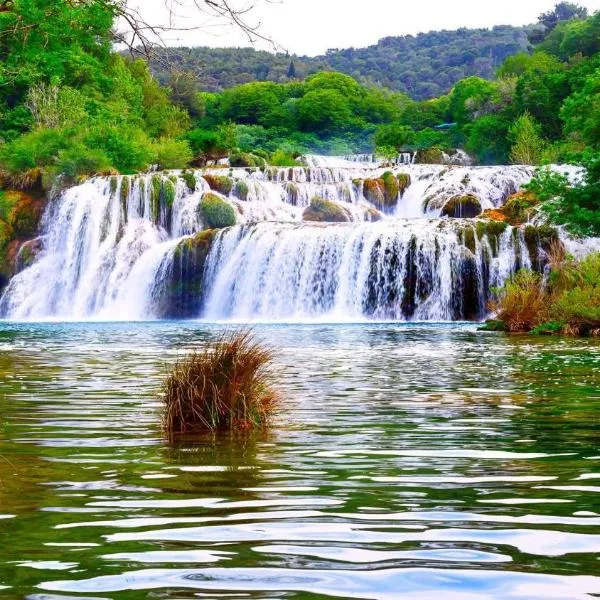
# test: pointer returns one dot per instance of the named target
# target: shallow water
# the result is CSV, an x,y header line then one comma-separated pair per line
x,y
409,461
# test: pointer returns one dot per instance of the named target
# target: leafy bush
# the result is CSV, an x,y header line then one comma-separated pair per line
x,y
79,160
568,302
281,158
577,207
172,154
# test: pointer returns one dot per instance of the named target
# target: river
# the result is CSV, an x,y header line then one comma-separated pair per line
x,y
407,461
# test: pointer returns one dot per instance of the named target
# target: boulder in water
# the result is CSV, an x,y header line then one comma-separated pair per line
x,y
215,212
374,191
462,207
325,211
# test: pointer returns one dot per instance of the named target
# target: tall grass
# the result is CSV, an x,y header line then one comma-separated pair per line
x,y
226,387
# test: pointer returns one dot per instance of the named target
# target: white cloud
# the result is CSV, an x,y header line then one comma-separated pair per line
x,y
312,26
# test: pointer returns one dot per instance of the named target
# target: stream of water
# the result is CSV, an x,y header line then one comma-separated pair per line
x,y
410,462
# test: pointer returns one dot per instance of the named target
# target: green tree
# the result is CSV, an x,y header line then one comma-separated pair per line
x,y
528,145
324,110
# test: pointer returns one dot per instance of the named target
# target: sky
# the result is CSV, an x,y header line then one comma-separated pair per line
x,y
312,26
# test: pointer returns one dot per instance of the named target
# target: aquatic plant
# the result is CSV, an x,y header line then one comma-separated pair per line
x,y
225,387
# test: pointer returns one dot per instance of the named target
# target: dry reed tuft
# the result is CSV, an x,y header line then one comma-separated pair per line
x,y
227,387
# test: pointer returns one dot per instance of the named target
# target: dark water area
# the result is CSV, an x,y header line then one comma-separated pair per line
x,y
408,461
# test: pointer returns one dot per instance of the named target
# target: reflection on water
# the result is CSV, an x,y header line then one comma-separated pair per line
x,y
411,462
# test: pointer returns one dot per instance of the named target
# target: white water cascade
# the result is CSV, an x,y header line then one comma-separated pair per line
x,y
132,247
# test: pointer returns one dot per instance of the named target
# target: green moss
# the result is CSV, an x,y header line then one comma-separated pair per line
x,y
372,215
219,183
462,207
357,183
247,160
324,211
293,192
216,213
391,189
156,187
114,184
125,187
404,182
190,180
240,190
169,192
537,238
469,239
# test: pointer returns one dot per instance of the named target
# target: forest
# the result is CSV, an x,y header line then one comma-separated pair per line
x,y
424,66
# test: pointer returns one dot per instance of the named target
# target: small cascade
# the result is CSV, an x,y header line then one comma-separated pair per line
x,y
341,238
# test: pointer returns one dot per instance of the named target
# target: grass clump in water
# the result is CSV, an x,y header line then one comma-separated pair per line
x,y
228,387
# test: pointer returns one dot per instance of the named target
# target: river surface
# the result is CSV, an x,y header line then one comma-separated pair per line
x,y
417,462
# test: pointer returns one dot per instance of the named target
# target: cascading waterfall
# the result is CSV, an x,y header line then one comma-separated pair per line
x,y
138,247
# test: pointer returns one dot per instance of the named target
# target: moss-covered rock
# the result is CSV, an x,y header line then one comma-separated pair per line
x,y
462,207
240,190
20,216
469,239
219,183
391,189
431,156
372,215
404,182
520,207
539,238
293,193
215,212
247,160
324,211
190,180
374,191
184,289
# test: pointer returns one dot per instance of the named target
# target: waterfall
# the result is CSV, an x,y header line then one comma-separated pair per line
x,y
138,247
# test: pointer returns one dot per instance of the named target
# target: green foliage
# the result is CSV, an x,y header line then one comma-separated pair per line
x,y
396,136
424,66
172,154
216,213
527,145
577,207
281,158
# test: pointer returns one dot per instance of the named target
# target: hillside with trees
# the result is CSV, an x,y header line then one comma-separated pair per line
x,y
423,66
